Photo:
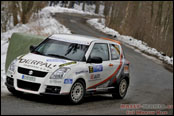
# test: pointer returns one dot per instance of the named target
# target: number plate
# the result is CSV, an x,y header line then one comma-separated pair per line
x,y
30,78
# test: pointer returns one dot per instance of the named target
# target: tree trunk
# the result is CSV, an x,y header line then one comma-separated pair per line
x,y
71,4
27,7
83,6
15,13
106,8
65,4
97,3
152,12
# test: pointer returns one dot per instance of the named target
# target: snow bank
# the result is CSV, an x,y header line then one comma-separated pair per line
x,y
78,10
89,8
100,25
43,24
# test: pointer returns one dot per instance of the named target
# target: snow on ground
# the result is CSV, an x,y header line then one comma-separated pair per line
x,y
89,8
76,9
43,25
100,25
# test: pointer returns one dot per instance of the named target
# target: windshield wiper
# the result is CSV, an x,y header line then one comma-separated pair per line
x,y
58,56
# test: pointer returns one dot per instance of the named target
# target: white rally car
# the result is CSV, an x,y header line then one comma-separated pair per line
x,y
72,65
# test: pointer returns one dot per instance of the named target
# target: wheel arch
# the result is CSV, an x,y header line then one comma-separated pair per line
x,y
82,80
127,79
124,77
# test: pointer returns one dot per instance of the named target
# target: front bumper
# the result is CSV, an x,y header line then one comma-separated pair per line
x,y
34,88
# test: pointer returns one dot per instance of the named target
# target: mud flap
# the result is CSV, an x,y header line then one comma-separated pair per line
x,y
19,44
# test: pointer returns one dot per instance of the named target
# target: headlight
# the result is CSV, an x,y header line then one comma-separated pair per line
x,y
59,74
12,65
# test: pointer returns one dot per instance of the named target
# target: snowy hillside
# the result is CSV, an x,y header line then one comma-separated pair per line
x,y
44,25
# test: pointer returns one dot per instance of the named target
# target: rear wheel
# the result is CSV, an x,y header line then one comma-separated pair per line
x,y
121,90
77,92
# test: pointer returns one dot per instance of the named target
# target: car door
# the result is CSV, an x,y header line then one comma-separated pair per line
x,y
115,63
98,73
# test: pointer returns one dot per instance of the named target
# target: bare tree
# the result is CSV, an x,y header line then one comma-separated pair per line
x,y
19,11
149,21
83,6
71,4
106,7
97,3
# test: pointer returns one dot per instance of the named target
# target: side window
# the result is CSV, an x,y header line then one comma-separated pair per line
x,y
100,50
115,52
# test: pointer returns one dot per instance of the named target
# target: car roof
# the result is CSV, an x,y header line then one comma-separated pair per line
x,y
81,39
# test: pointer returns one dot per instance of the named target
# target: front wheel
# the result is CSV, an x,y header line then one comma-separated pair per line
x,y
121,90
77,92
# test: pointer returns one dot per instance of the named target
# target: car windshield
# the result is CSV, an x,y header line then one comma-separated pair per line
x,y
61,49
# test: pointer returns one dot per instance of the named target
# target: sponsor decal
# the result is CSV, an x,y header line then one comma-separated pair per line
x,y
90,69
94,77
55,60
21,56
69,63
36,63
33,66
68,81
95,68
30,78
83,71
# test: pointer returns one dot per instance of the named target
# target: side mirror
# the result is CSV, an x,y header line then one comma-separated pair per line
x,y
32,48
95,60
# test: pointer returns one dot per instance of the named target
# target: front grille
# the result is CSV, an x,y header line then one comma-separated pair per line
x,y
28,85
53,89
34,72
10,81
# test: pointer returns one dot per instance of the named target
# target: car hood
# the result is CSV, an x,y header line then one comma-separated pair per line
x,y
42,63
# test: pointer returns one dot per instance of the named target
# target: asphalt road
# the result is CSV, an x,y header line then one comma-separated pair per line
x,y
150,84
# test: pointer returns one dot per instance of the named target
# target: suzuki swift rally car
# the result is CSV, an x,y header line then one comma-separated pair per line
x,y
72,65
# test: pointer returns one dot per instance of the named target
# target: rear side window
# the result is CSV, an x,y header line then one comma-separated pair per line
x,y
115,52
100,50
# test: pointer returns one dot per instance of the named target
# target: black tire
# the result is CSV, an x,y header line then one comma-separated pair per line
x,y
121,89
14,91
77,92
